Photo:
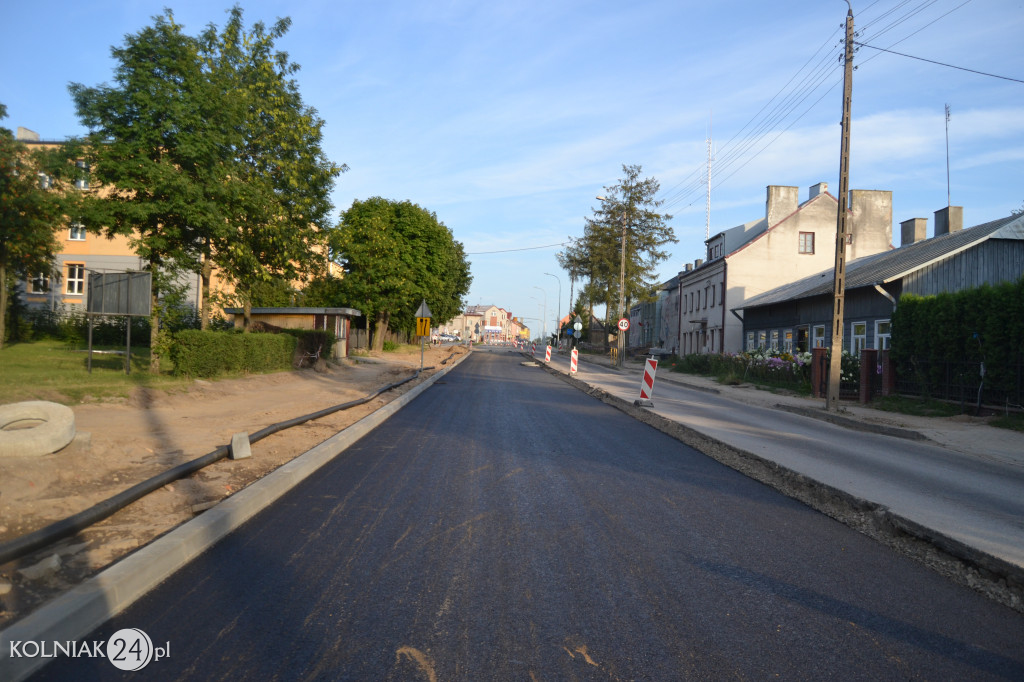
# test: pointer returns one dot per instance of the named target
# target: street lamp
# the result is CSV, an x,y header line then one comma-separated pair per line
x,y
545,319
622,288
559,327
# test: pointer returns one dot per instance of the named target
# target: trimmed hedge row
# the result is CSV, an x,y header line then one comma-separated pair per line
x,y
206,354
986,323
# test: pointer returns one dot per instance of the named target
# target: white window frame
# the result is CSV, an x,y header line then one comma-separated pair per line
x,y
762,339
750,341
858,342
818,336
775,339
787,341
883,338
76,232
75,286
805,240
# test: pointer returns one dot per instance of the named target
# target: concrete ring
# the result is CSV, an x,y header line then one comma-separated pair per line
x,y
55,430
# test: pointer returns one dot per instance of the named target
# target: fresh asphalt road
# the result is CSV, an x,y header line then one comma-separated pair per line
x,y
505,526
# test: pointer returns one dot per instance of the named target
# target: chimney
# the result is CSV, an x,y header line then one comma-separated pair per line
x,y
870,222
27,135
949,219
689,267
914,230
815,190
697,263
781,202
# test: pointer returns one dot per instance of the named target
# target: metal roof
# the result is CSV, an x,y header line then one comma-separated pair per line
x,y
891,265
351,312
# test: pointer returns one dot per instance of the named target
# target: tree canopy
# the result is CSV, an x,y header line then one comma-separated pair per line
x,y
629,207
395,255
207,156
31,205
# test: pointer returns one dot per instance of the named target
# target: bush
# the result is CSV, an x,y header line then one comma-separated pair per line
x,y
208,354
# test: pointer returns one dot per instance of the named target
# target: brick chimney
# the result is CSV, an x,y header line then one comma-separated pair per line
x,y
781,202
914,230
949,219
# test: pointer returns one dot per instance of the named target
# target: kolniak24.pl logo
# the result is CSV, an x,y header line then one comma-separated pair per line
x,y
127,649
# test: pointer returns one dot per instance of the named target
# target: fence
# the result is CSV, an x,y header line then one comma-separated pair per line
x,y
963,382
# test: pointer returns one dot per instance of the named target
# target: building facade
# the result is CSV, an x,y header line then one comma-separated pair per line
x,y
791,241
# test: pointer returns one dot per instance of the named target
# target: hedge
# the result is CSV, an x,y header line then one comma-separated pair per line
x,y
207,354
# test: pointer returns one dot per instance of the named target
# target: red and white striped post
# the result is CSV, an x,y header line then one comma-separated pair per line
x,y
547,354
533,349
574,360
647,385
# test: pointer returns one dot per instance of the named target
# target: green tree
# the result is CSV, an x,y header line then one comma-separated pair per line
x,y
31,208
628,208
277,180
396,254
151,149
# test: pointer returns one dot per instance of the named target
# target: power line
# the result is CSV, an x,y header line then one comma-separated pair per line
x,y
932,61
526,248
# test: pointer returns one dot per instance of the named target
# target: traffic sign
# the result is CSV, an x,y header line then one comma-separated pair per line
x,y
623,324
422,326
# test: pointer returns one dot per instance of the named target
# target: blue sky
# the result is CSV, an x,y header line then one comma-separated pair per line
x,y
507,119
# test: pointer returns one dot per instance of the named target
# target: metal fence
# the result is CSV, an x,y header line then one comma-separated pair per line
x,y
964,382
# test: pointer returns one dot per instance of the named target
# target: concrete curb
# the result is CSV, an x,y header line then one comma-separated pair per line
x,y
999,580
846,422
81,610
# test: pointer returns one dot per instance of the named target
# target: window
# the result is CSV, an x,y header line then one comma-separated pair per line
x,y
750,341
82,181
77,232
806,242
787,341
818,336
76,278
858,337
882,333
712,295
761,339
45,182
775,339
39,284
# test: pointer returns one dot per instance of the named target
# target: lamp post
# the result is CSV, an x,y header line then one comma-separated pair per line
x,y
559,326
620,336
545,318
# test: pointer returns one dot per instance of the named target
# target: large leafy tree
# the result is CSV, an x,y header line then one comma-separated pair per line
x,y
629,208
31,208
396,254
277,180
153,152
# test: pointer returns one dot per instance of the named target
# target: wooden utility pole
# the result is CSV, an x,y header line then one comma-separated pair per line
x,y
839,289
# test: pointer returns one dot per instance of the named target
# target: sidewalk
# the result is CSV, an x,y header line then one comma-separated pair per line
x,y
962,433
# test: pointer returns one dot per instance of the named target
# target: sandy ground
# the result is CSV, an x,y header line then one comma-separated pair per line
x,y
125,442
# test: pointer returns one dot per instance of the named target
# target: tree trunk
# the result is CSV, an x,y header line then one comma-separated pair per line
x,y
204,311
3,303
380,330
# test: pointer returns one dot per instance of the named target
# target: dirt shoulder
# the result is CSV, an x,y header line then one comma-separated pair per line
x,y
124,442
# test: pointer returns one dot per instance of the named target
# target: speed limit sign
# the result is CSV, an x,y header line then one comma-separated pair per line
x,y
623,324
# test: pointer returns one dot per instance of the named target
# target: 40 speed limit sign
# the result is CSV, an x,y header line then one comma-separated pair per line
x,y
623,324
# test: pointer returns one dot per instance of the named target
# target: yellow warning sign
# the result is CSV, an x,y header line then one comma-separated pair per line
x,y
422,326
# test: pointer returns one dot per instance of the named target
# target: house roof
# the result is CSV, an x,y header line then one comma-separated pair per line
x,y
351,312
888,266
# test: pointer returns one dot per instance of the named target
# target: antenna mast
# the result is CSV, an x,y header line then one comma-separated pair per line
x,y
707,211
949,201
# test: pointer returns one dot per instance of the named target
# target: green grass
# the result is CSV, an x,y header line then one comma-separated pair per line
x,y
918,407
51,370
1014,422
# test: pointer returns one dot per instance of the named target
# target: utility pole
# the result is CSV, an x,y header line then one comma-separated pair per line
x,y
839,288
949,200
707,210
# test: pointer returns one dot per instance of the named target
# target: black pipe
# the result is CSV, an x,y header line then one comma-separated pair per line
x,y
26,544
